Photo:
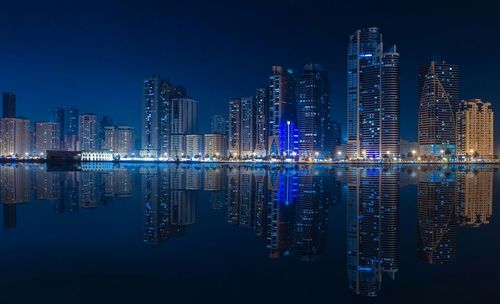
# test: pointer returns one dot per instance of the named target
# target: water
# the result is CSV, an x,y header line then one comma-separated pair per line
x,y
228,234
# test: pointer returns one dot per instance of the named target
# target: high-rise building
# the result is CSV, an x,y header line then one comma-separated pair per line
x,y
184,121
261,121
234,130
438,95
336,134
282,112
372,97
194,145
9,105
71,129
218,124
58,116
247,125
14,136
474,127
314,112
157,115
88,132
47,137
214,145
119,139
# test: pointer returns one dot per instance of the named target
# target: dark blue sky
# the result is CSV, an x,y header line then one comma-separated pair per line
x,y
95,54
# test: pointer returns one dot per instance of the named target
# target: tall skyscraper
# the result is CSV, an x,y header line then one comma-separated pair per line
x,y
314,112
184,121
282,112
247,132
218,124
336,134
157,115
71,129
58,116
234,130
475,132
372,97
9,105
261,121
438,94
47,137
88,132
15,136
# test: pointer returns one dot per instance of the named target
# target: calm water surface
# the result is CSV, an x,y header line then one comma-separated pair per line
x,y
104,233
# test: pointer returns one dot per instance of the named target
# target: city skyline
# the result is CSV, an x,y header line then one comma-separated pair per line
x,y
91,96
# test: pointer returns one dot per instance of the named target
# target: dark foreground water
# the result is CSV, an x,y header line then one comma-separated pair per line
x,y
228,234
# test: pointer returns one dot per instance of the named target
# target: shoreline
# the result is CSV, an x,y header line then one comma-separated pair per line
x,y
357,163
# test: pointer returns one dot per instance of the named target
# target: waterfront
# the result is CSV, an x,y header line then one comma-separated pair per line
x,y
107,232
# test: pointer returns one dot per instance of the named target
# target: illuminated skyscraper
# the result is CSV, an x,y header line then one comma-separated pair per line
x,y
261,121
119,139
282,112
234,130
475,132
157,115
194,145
58,116
9,105
14,136
314,112
248,127
438,89
372,235
88,132
372,97
214,145
71,129
184,121
47,137
218,124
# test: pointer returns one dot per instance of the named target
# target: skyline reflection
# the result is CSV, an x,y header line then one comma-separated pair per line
x,y
287,208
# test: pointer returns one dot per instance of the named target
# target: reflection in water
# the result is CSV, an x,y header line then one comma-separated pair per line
x,y
372,211
286,207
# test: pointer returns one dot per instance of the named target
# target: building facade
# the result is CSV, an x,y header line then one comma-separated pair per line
x,y
47,137
194,145
438,89
314,112
234,128
372,97
119,139
248,127
261,121
14,137
214,145
88,132
474,128
282,112
184,121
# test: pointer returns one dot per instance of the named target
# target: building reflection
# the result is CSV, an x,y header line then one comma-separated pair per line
x,y
436,220
372,229
474,190
15,189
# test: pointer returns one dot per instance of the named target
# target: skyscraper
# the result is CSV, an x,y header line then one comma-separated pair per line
x,y
282,112
438,89
194,145
234,130
247,132
474,127
218,124
14,136
9,105
214,145
59,117
157,115
119,139
313,112
88,132
261,121
184,121
71,126
47,137
372,97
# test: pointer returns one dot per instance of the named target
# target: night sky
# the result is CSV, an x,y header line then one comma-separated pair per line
x,y
94,55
